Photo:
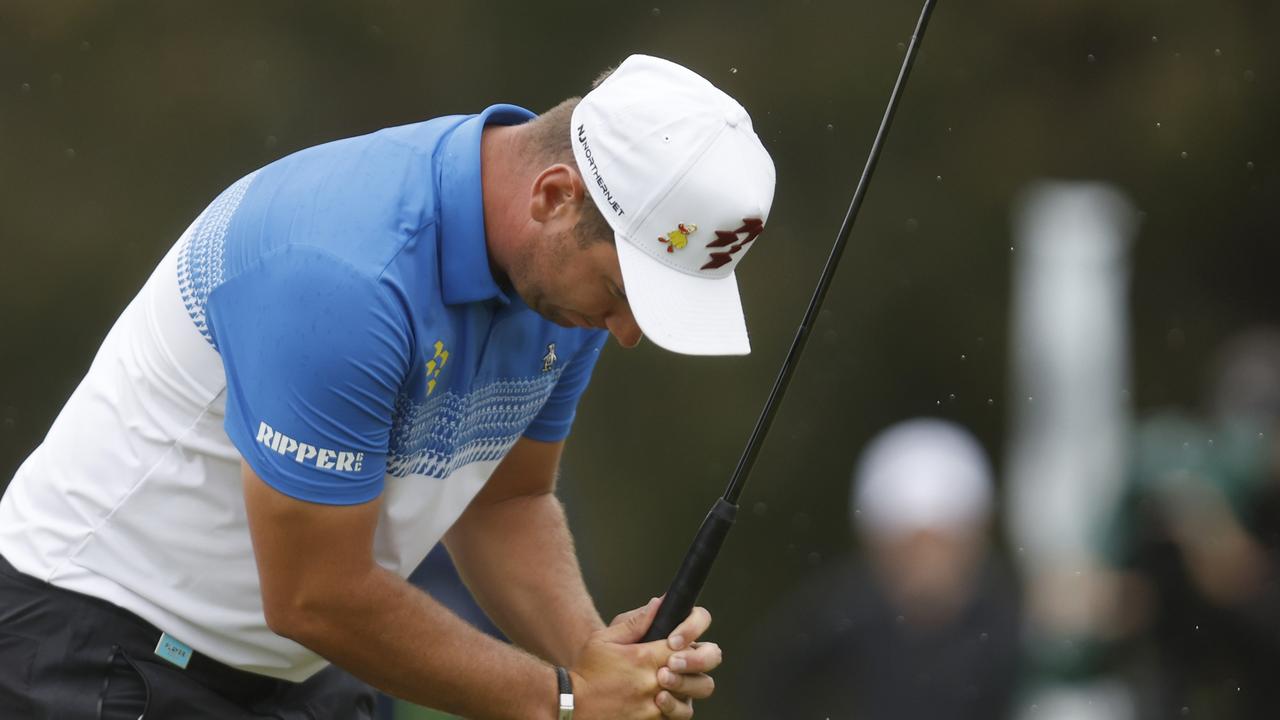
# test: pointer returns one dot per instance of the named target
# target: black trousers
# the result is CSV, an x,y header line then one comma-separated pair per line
x,y
67,656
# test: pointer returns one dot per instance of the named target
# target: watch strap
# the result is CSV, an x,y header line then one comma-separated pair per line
x,y
566,693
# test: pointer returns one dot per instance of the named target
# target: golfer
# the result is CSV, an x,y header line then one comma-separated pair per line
x,y
354,353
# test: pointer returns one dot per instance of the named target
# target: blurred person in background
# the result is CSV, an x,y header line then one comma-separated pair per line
x,y
1199,539
925,623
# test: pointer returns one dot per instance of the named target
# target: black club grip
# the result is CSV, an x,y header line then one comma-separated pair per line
x,y
684,589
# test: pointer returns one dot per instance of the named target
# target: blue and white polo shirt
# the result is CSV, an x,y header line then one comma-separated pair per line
x,y
332,319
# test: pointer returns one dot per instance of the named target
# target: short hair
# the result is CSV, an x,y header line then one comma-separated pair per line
x,y
550,133
551,136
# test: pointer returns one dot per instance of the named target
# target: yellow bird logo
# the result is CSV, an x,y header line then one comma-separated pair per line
x,y
678,238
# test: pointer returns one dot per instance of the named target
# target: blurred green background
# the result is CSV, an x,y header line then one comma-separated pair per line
x,y
120,120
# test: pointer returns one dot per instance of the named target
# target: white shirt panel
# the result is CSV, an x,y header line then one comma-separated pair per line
x,y
162,531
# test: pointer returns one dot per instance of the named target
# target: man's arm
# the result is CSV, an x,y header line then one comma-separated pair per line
x,y
322,589
513,549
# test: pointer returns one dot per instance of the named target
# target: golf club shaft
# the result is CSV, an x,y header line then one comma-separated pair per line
x,y
693,572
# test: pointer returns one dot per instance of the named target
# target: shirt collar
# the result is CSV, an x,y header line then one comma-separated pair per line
x,y
465,276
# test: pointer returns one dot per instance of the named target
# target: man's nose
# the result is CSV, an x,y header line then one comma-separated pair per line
x,y
622,325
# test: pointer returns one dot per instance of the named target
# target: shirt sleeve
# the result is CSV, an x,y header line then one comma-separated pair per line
x,y
315,354
556,417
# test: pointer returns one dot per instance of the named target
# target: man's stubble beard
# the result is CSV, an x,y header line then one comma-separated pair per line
x,y
533,266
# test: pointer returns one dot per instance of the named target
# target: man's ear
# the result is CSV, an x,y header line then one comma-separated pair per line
x,y
557,194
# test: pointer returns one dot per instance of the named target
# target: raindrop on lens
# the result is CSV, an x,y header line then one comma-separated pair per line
x,y
1217,52
1248,166
1091,58
830,127
800,521
655,12
952,396
991,401
1183,155
912,225
1157,124
26,88
939,178
1155,39
733,71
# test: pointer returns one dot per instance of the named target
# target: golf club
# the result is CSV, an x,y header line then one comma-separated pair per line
x,y
692,575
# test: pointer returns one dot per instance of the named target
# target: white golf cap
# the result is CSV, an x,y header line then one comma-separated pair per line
x,y
674,166
922,474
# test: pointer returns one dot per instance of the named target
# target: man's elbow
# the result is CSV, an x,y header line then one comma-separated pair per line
x,y
292,616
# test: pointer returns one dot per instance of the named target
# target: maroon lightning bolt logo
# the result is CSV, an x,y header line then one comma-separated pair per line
x,y
751,227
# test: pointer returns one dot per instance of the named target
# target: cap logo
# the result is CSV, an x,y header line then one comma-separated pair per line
x,y
595,171
678,238
751,227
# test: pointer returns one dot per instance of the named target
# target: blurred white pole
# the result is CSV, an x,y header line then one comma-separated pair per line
x,y
1069,423
1070,409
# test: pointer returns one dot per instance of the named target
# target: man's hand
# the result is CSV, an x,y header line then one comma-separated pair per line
x,y
685,676
616,678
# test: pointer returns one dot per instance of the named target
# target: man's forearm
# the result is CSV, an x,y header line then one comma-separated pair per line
x,y
401,641
517,558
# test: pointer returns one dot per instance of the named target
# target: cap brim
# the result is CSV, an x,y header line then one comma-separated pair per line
x,y
683,313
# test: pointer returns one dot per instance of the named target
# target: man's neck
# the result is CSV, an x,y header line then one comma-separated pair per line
x,y
504,182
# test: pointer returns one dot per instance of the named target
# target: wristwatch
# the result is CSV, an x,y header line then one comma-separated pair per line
x,y
566,693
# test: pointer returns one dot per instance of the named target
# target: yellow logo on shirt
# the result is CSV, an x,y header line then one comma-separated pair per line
x,y
435,365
